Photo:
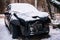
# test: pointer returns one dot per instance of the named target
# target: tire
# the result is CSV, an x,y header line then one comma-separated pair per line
x,y
26,38
47,33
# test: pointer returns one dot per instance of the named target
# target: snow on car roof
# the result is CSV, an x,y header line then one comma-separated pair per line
x,y
26,11
22,7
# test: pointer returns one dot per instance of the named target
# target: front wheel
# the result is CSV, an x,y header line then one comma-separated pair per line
x,y
47,30
26,38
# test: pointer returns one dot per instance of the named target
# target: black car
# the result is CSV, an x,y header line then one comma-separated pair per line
x,y
23,19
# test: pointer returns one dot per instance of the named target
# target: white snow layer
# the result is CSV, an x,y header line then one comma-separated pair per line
x,y
26,11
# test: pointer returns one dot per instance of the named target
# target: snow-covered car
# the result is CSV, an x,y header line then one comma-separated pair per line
x,y
24,19
55,3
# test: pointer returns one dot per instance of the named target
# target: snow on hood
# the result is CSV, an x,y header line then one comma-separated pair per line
x,y
26,11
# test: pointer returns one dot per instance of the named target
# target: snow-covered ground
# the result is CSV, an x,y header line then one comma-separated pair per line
x,y
4,33
54,34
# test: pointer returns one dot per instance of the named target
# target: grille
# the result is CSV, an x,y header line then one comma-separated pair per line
x,y
35,27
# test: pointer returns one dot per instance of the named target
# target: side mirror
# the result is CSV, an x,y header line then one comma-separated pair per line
x,y
34,16
7,13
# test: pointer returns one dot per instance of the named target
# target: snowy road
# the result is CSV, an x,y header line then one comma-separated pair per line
x,y
4,33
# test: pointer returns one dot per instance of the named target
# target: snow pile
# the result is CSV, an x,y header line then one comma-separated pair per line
x,y
26,11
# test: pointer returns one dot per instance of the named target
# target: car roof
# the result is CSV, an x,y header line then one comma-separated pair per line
x,y
27,9
22,7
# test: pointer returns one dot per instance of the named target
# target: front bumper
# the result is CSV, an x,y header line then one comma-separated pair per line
x,y
25,30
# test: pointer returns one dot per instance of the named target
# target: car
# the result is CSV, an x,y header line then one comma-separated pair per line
x,y
55,3
23,19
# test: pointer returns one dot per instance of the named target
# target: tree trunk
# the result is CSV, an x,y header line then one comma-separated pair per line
x,y
2,6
